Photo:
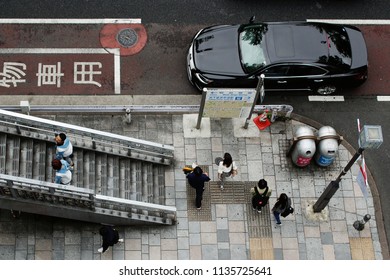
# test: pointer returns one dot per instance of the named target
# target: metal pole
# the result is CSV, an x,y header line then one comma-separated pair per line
x,y
259,90
333,186
201,108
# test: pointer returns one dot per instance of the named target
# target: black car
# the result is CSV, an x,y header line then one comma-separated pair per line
x,y
311,56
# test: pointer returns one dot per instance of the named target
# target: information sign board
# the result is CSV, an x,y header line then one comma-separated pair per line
x,y
228,103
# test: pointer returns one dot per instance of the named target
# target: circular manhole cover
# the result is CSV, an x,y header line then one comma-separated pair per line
x,y
127,37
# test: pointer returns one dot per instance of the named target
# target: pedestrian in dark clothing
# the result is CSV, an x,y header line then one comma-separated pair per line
x,y
282,204
261,194
196,179
110,237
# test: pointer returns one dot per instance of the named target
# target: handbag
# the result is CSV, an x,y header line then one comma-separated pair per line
x,y
289,210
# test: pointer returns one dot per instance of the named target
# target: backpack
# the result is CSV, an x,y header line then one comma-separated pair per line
x,y
262,199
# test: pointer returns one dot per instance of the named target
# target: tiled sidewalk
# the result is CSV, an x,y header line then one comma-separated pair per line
x,y
226,227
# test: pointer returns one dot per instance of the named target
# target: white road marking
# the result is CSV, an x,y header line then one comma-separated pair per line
x,y
383,98
353,21
336,98
117,71
69,21
59,50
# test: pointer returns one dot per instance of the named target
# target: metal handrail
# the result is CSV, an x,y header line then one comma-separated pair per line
x,y
106,205
134,109
42,185
49,127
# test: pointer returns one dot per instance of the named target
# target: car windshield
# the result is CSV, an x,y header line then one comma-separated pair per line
x,y
251,47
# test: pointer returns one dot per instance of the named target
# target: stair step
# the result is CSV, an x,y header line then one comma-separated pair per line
x,y
46,155
26,158
147,182
3,151
12,156
39,161
78,170
124,177
113,176
89,171
101,173
159,185
134,193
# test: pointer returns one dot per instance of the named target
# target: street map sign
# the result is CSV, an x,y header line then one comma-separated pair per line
x,y
228,103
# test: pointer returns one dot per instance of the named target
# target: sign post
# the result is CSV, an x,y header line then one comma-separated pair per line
x,y
259,91
201,108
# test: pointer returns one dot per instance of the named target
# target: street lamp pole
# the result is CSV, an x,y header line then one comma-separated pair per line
x,y
333,186
370,137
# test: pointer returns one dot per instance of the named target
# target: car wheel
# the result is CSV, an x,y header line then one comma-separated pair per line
x,y
326,90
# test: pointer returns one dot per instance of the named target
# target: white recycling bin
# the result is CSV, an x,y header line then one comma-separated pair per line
x,y
327,146
305,147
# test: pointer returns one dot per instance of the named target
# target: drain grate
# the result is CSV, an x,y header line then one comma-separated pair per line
x,y
127,37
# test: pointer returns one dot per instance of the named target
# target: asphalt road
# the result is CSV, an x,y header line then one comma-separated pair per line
x,y
199,11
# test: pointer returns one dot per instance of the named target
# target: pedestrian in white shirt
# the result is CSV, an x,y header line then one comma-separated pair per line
x,y
226,168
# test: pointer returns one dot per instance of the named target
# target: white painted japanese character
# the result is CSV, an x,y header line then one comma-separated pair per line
x,y
49,74
12,74
84,72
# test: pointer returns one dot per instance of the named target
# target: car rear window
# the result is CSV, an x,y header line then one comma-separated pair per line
x,y
339,47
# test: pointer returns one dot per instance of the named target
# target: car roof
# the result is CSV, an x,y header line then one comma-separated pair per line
x,y
300,41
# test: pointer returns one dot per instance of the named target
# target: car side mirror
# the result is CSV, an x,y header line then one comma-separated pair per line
x,y
252,19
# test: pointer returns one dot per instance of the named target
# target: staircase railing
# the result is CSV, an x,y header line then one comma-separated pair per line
x,y
86,138
66,201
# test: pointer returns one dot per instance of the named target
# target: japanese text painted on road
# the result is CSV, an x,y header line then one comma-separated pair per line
x,y
59,73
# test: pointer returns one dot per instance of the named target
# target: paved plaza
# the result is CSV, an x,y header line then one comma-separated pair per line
x,y
226,227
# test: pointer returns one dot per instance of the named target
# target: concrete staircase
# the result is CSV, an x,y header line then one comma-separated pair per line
x,y
122,173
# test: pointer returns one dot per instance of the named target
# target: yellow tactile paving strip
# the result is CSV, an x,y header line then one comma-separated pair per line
x,y
259,224
261,249
361,248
